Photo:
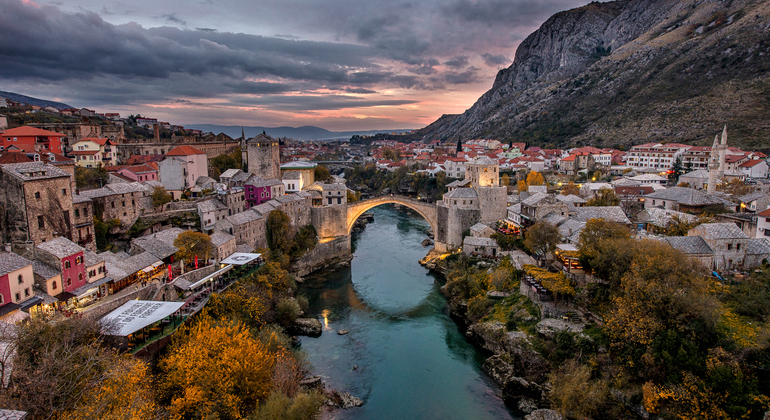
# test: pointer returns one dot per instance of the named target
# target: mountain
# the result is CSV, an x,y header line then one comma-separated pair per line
x,y
32,101
307,132
628,72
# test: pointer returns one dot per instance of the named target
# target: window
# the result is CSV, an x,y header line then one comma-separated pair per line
x,y
330,200
63,191
2,300
77,212
53,285
18,297
738,247
21,279
37,195
113,204
729,246
69,281
79,260
66,265
80,277
40,222
26,292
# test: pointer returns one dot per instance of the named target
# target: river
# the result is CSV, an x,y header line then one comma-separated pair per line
x,y
404,356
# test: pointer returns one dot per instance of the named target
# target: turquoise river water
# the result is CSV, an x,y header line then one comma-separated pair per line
x,y
411,359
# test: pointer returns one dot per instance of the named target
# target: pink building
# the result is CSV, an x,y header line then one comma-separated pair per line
x,y
16,280
197,163
140,173
65,256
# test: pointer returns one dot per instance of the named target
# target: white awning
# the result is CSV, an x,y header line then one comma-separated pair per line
x,y
137,314
156,264
211,276
147,269
240,258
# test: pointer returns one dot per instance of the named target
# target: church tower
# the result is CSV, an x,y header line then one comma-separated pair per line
x,y
263,157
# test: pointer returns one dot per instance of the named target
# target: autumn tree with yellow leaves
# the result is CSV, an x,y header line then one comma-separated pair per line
x,y
215,370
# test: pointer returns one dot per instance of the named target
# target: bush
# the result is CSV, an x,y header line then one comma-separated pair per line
x,y
304,406
287,311
478,306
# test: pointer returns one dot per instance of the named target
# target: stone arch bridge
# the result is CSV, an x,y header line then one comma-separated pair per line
x,y
427,211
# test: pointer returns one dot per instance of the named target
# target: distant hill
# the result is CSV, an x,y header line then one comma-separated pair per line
x,y
628,72
298,133
33,101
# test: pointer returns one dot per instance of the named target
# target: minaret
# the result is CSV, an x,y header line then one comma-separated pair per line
x,y
723,152
713,166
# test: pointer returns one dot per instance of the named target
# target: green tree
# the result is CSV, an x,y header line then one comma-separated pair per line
x,y
279,234
607,249
226,161
542,238
321,173
160,196
90,178
192,244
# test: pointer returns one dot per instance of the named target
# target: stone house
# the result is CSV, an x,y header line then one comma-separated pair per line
x,y
16,281
174,174
538,205
83,211
614,214
210,212
726,240
297,207
755,202
480,230
234,198
225,244
684,200
125,202
160,244
248,227
35,202
694,247
486,247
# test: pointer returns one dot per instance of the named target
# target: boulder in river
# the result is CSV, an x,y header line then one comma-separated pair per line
x,y
343,400
427,242
343,332
310,327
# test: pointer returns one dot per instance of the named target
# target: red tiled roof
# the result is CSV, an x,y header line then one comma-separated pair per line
x,y
96,140
569,158
140,169
184,150
14,157
750,163
765,213
84,152
734,158
29,131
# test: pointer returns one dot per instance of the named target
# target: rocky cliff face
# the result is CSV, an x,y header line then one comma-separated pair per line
x,y
631,71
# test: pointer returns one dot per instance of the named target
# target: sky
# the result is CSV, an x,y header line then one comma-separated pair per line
x,y
342,65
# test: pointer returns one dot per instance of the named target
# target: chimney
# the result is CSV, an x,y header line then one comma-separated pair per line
x,y
156,132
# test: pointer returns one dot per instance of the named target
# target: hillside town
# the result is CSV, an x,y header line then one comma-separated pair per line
x,y
113,248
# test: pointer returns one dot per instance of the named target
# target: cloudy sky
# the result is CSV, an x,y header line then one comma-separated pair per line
x,y
336,64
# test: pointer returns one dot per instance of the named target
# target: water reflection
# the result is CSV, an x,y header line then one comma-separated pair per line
x,y
412,360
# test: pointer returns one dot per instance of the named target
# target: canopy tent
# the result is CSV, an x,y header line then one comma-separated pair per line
x,y
137,314
240,258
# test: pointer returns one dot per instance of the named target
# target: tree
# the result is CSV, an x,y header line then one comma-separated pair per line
x,y
215,370
192,244
542,238
535,178
604,197
353,196
90,178
676,170
226,161
570,189
607,249
735,187
279,234
391,154
125,394
505,180
160,196
573,392
459,145
322,174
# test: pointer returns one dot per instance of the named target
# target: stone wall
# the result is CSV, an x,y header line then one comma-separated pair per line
x,y
329,221
452,222
325,254
493,202
264,158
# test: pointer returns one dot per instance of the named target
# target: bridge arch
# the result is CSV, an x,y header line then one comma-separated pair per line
x,y
355,210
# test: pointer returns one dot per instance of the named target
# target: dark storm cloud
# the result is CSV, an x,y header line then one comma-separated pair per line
x,y
512,13
493,60
468,76
359,90
174,19
457,62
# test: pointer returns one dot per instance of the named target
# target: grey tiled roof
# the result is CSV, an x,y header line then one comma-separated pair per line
x,y
211,205
78,199
607,213
115,189
292,175
691,245
118,266
700,173
483,160
220,238
92,258
662,217
243,217
12,262
553,218
61,247
572,198
12,415
45,270
571,229
462,193
758,246
229,173
722,231
686,196
34,170
160,244
534,199
264,208
479,227
459,183
478,241
334,187
748,198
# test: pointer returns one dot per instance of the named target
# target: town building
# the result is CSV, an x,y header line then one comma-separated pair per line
x,y
305,169
655,155
16,281
31,139
125,202
185,162
35,202
94,152
68,259
263,157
